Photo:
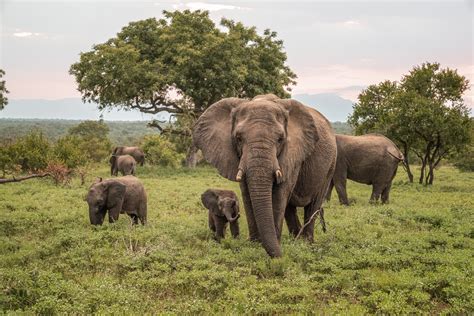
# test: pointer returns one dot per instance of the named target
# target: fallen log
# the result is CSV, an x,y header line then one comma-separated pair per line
x,y
14,179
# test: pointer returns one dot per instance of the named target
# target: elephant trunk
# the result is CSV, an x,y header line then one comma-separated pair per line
x,y
95,216
260,184
228,215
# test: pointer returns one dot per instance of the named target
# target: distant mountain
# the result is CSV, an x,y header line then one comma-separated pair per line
x,y
331,105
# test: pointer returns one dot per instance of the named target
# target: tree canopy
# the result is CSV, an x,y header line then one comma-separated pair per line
x,y
424,113
180,63
3,91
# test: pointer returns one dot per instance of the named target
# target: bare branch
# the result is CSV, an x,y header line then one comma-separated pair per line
x,y
25,178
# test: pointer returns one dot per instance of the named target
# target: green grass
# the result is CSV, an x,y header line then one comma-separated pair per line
x,y
414,255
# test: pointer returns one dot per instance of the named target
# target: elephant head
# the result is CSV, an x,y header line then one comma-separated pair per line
x,y
263,142
103,196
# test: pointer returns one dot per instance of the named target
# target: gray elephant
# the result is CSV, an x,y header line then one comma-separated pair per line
x,y
370,159
117,195
223,206
135,152
126,164
282,153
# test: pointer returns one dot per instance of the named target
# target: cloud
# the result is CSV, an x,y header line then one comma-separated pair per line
x,y
25,34
351,23
211,7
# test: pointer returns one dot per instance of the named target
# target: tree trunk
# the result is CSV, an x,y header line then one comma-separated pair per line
x,y
407,163
191,157
31,176
422,171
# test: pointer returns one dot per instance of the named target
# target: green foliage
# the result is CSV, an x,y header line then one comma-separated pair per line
x,y
413,256
69,150
160,151
464,160
31,152
183,52
123,133
94,140
3,91
424,114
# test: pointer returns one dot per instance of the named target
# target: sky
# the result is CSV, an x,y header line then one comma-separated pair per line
x,y
337,47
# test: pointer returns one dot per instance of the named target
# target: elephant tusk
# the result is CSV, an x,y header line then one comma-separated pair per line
x,y
238,178
279,176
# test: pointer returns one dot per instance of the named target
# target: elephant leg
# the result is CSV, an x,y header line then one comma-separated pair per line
x,y
329,192
376,191
292,220
212,225
134,218
308,231
386,193
340,185
252,224
234,229
220,228
114,214
323,221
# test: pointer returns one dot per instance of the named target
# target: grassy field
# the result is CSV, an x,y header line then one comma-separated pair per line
x,y
415,255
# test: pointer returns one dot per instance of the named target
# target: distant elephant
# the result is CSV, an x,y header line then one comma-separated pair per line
x,y
135,152
370,159
282,153
223,206
117,195
126,164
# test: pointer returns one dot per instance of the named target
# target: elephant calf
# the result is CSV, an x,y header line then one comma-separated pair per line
x,y
126,164
370,159
223,207
117,195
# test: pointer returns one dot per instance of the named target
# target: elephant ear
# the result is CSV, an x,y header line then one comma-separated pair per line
x,y
209,199
213,135
115,194
302,135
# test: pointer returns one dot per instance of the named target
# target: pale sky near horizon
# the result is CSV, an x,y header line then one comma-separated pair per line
x,y
334,47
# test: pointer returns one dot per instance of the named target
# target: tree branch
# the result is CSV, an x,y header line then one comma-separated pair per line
x,y
24,178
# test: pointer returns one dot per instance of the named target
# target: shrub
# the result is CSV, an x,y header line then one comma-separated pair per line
x,y
31,152
95,142
160,151
69,150
60,173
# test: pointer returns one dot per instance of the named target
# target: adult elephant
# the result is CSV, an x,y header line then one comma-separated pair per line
x,y
370,159
282,152
135,152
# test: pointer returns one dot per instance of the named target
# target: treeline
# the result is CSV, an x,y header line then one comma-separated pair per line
x,y
124,133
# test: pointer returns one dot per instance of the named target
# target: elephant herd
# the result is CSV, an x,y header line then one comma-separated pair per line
x,y
283,154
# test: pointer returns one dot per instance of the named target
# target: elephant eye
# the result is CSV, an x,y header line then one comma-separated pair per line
x,y
281,139
238,138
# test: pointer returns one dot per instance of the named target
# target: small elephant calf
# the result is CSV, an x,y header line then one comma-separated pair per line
x,y
117,195
223,207
126,164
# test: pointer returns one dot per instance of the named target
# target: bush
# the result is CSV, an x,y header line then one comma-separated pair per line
x,y
69,150
94,139
31,152
160,151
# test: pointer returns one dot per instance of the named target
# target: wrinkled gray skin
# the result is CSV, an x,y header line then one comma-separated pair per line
x,y
126,164
117,195
282,153
370,159
135,152
223,206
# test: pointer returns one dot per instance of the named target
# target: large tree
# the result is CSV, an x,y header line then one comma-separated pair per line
x,y
424,113
3,91
181,64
